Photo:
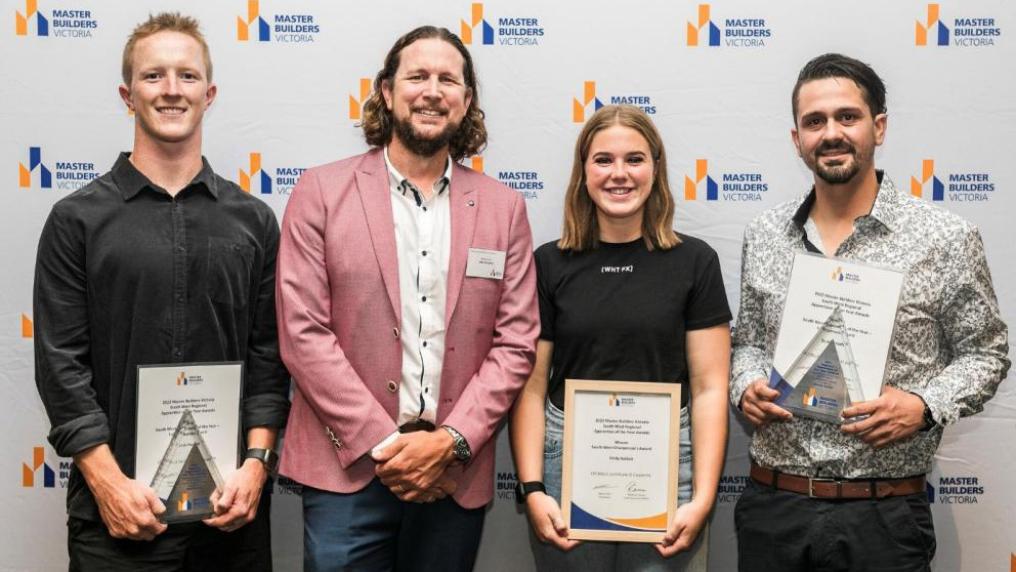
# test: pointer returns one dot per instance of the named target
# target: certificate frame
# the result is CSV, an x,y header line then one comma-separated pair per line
x,y
626,529
157,393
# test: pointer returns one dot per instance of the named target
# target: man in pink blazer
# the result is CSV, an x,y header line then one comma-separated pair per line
x,y
408,319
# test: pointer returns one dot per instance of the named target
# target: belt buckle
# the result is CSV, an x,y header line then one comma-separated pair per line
x,y
813,480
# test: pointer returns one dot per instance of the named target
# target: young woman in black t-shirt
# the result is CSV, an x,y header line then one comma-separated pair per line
x,y
624,297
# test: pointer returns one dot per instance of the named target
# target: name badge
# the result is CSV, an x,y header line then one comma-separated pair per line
x,y
485,263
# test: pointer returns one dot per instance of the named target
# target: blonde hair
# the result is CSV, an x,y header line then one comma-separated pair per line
x,y
581,230
164,22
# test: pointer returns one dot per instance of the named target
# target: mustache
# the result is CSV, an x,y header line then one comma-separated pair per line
x,y
835,146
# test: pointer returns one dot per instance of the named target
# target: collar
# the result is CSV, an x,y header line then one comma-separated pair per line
x,y
130,181
885,210
404,186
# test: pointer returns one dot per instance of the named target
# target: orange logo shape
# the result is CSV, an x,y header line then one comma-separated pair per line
x,y
356,103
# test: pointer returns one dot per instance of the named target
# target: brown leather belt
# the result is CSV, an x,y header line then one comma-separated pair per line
x,y
418,425
823,488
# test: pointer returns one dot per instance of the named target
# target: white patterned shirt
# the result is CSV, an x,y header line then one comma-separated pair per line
x,y
950,345
423,246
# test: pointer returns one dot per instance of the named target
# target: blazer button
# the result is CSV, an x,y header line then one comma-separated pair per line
x,y
395,332
392,386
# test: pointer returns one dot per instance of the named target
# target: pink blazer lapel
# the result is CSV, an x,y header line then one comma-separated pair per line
x,y
465,203
372,184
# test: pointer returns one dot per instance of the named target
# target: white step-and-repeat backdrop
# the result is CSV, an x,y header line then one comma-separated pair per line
x,y
715,77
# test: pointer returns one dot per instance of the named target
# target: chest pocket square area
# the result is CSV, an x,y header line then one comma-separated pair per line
x,y
484,263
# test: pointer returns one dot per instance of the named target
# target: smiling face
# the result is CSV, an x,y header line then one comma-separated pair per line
x,y
169,89
619,171
836,134
427,96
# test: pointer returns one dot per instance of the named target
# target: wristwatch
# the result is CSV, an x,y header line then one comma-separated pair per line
x,y
928,418
522,490
267,456
461,449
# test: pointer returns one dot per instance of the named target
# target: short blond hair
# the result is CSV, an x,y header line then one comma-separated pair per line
x,y
164,22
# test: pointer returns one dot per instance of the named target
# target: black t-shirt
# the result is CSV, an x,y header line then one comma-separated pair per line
x,y
620,311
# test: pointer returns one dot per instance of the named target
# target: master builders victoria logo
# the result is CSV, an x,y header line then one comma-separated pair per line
x,y
259,179
737,186
527,183
64,175
958,185
59,21
587,104
730,30
508,29
255,25
39,472
960,28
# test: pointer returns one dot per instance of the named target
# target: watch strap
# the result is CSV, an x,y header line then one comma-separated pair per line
x,y
267,456
524,489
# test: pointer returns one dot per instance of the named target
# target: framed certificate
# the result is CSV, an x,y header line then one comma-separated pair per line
x,y
621,443
188,433
835,333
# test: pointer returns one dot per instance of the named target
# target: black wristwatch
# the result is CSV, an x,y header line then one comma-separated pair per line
x,y
267,456
928,418
522,490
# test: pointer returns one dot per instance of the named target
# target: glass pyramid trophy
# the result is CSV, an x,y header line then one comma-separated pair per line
x,y
823,379
187,475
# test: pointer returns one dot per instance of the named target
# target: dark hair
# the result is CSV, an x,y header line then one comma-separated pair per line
x,y
838,65
377,121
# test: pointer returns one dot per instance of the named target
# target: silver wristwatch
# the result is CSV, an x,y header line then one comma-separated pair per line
x,y
461,449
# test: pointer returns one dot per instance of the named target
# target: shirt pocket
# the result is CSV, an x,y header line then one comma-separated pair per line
x,y
230,267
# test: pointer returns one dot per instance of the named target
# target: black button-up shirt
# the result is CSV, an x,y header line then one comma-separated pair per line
x,y
127,274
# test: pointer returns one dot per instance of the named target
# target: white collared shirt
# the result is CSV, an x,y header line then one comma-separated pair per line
x,y
423,247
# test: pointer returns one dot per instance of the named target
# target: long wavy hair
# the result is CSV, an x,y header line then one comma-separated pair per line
x,y
581,230
378,122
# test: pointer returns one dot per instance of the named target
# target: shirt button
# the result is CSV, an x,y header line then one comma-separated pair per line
x,y
423,299
179,297
424,253
179,249
424,209
177,352
392,386
424,343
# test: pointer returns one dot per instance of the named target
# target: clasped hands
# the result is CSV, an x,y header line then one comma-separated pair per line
x,y
413,466
892,416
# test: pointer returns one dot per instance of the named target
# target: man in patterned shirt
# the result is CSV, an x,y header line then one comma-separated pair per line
x,y
853,495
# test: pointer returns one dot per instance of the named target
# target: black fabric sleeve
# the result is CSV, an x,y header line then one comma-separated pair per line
x,y
266,395
707,302
544,290
63,371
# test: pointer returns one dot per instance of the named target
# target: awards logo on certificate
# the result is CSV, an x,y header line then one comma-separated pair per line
x,y
835,334
620,459
188,434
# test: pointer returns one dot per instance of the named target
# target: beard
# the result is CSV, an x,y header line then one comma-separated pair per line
x,y
420,145
844,172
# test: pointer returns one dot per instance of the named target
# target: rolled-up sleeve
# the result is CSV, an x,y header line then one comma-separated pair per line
x,y
63,372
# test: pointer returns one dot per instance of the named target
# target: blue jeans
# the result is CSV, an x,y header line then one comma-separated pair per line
x,y
594,556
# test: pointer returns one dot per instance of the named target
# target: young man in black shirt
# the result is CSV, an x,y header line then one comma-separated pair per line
x,y
159,261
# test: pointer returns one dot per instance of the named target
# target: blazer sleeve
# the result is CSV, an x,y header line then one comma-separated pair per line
x,y
491,392
351,416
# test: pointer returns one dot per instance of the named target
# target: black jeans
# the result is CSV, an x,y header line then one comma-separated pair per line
x,y
787,532
182,547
